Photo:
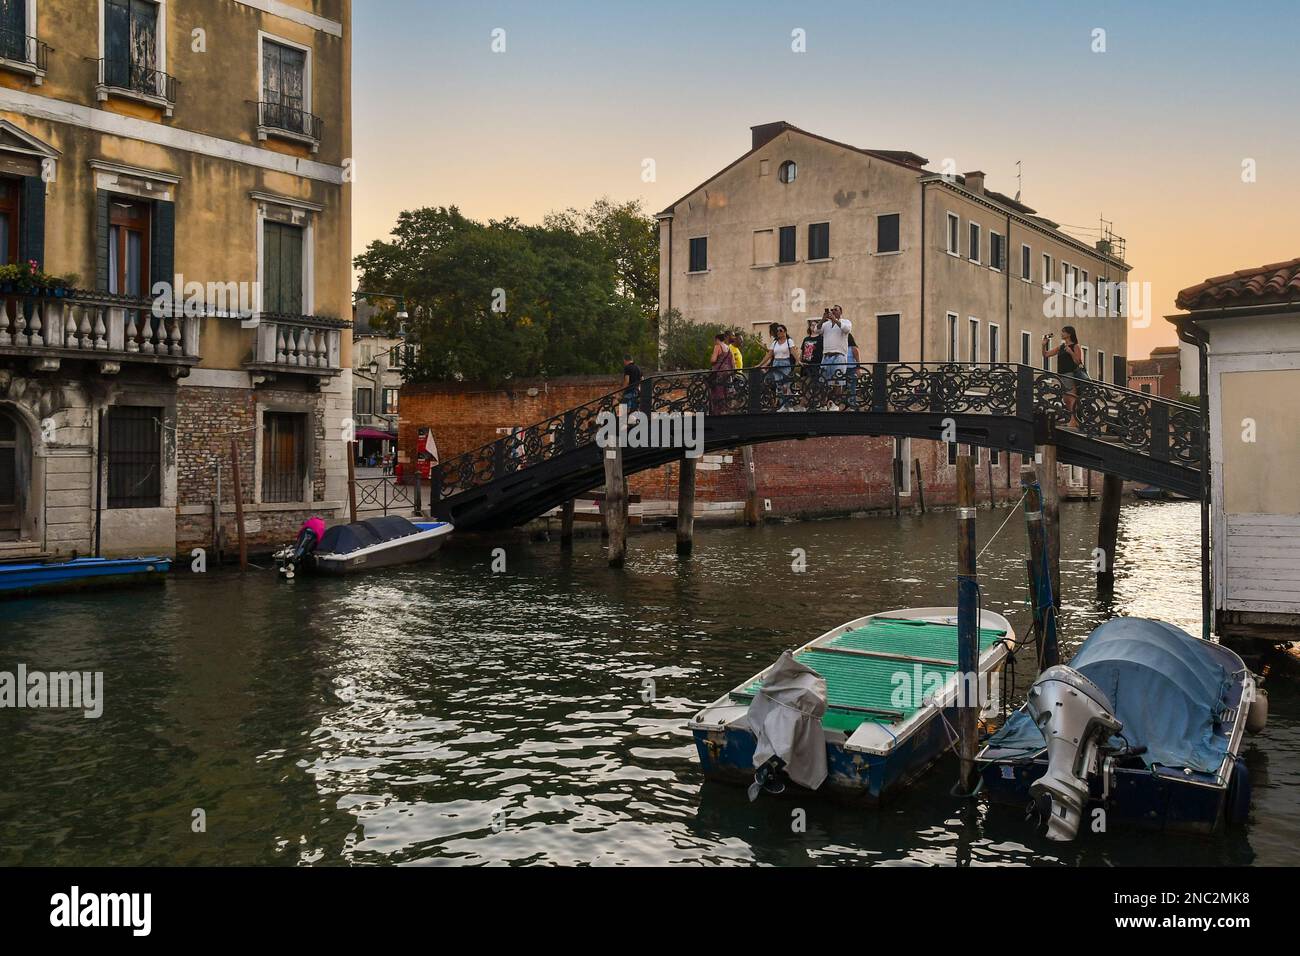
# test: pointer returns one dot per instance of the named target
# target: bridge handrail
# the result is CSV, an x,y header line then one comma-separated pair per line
x,y
1162,427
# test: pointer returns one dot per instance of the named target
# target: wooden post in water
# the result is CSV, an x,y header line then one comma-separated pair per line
x,y
753,516
686,506
1051,518
920,485
352,481
967,625
615,512
896,474
566,526
988,459
1043,613
1112,490
239,504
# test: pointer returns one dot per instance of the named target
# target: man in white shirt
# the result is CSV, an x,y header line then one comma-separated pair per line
x,y
835,346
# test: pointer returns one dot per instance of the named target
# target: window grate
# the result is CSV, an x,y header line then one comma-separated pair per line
x,y
133,447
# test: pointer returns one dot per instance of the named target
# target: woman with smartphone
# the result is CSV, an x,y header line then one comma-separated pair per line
x,y
1069,364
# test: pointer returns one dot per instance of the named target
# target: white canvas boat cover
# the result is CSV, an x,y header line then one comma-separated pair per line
x,y
786,718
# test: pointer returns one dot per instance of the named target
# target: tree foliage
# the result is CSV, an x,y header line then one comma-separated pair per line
x,y
488,302
686,345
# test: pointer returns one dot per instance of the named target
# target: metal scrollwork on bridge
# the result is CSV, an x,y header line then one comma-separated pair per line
x,y
1096,421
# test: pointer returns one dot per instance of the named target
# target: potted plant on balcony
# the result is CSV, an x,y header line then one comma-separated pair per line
x,y
28,279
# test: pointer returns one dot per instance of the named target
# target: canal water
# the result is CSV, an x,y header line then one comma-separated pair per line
x,y
449,714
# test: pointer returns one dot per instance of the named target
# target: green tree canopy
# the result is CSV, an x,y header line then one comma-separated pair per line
x,y
488,302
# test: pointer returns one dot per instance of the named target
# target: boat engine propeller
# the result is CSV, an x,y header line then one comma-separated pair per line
x,y
288,559
1076,720
769,778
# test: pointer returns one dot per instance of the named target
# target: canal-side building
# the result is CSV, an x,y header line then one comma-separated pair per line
x,y
1248,322
927,266
1161,374
175,232
377,378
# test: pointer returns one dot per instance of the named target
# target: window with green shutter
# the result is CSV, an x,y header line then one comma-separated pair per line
x,y
282,269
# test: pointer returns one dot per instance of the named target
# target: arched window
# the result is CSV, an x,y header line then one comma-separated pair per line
x,y
787,171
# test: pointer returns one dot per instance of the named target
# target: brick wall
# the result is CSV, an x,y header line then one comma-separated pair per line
x,y
207,419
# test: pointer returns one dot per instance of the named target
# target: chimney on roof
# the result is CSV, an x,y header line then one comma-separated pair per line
x,y
766,133
975,181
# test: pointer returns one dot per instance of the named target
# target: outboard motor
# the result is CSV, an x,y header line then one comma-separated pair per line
x,y
1076,718
309,535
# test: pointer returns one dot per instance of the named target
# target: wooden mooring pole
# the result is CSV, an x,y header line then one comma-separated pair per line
x,y
1112,490
1040,602
753,514
968,706
352,481
1051,518
920,485
239,503
566,526
615,509
686,506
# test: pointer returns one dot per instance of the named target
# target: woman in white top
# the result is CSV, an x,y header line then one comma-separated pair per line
x,y
781,357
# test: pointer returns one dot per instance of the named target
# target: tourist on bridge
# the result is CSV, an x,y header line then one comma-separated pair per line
x,y
781,357
1069,364
737,357
631,383
724,367
851,372
835,345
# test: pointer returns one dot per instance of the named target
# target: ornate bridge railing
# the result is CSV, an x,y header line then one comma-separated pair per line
x,y
1135,421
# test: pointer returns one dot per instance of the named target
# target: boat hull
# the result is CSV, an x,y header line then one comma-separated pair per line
x,y
727,755
408,550
21,580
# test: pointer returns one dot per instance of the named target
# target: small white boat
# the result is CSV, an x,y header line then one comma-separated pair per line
x,y
890,700
372,543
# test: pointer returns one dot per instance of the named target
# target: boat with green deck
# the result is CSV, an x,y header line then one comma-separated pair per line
x,y
890,700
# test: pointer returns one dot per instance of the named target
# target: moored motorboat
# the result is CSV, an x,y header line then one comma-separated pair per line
x,y
373,543
20,578
1145,725
880,691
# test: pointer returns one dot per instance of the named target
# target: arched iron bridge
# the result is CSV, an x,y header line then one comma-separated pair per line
x,y
1114,430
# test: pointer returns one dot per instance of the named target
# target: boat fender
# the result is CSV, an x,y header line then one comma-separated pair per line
x,y
1257,716
1238,806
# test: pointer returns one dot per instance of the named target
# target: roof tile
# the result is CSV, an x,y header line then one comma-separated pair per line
x,y
1263,285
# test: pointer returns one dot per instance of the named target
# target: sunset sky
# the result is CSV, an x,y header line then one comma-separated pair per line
x,y
1151,134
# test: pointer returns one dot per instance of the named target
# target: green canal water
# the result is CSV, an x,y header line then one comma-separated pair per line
x,y
448,714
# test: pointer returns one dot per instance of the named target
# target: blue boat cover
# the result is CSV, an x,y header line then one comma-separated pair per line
x,y
1164,686
347,538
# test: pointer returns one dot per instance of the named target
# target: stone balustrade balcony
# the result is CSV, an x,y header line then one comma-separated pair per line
x,y
297,345
49,327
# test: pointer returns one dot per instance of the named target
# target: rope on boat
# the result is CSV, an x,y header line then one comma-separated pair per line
x,y
1004,524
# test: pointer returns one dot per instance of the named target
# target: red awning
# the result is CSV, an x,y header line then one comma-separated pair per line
x,y
375,433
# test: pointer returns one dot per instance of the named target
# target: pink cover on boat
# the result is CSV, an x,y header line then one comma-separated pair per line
x,y
314,524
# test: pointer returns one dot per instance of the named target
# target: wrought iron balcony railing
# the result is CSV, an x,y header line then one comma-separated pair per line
x,y
137,80
277,118
49,327
18,49
303,344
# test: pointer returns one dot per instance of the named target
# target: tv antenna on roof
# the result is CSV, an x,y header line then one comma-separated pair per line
x,y
1018,181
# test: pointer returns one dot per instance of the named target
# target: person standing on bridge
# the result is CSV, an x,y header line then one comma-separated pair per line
x,y
723,366
631,383
835,346
810,357
781,357
1069,364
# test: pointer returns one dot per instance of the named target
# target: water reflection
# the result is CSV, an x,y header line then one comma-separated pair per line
x,y
446,714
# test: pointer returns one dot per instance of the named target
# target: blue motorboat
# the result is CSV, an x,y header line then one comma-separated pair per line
x,y
35,577
1143,728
